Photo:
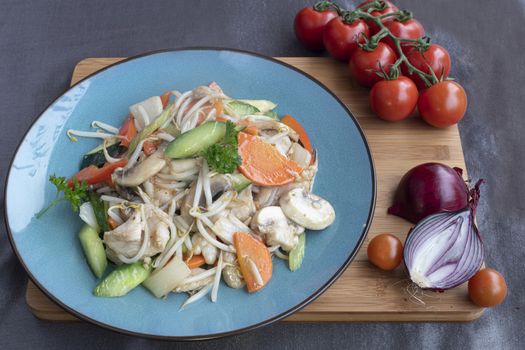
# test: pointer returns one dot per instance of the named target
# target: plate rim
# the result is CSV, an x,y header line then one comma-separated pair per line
x,y
263,323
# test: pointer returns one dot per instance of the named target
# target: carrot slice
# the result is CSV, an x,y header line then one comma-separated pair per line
x,y
93,175
263,164
249,127
150,147
112,223
127,131
219,108
251,251
195,261
165,98
303,137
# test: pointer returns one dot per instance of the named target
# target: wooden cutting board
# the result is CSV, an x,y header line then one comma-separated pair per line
x,y
363,292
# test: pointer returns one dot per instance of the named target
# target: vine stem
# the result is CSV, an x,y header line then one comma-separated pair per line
x,y
427,78
371,43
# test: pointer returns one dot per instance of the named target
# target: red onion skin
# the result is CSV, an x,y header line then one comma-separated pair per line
x,y
428,189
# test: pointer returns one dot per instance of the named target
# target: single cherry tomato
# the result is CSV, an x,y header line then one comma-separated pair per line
x,y
388,9
309,25
487,288
385,251
394,100
435,57
409,29
340,38
443,104
363,64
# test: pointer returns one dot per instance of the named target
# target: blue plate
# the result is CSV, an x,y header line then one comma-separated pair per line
x,y
49,249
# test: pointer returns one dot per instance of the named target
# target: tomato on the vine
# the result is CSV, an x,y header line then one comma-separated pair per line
x,y
389,8
443,104
340,38
363,64
385,251
487,288
395,99
309,24
409,29
435,57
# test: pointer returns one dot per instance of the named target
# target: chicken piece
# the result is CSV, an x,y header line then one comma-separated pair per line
x,y
202,246
243,206
126,239
271,223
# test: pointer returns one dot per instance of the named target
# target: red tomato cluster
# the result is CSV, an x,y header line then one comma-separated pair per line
x,y
440,105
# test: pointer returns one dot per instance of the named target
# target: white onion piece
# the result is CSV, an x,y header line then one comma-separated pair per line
x,y
87,214
101,125
163,281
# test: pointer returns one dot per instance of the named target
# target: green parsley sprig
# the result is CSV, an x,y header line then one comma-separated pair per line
x,y
223,156
76,194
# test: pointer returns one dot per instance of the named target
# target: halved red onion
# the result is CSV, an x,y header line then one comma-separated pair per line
x,y
445,249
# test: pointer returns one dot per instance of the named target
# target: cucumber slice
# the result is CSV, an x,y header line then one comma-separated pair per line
x,y
240,108
262,105
196,140
93,250
295,259
122,280
239,182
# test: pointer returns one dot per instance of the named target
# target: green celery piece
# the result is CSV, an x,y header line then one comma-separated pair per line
x,y
122,280
151,127
296,256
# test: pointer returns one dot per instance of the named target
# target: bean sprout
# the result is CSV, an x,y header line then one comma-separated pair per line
x,y
217,279
109,158
206,183
199,295
134,156
89,134
100,125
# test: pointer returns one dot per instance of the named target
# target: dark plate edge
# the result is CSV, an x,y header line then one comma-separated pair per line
x,y
285,314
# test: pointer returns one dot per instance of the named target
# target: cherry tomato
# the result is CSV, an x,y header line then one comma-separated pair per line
x,y
409,29
388,9
394,100
443,104
363,64
309,25
385,251
435,56
487,288
340,38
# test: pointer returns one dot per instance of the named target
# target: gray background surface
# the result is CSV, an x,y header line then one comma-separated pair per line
x,y
41,41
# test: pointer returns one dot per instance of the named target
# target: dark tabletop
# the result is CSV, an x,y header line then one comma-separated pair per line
x,y
41,41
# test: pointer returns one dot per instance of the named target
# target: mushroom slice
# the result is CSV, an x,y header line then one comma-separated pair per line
x,y
143,170
307,209
273,224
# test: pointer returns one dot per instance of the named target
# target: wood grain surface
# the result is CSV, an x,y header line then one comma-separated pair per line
x,y
362,293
